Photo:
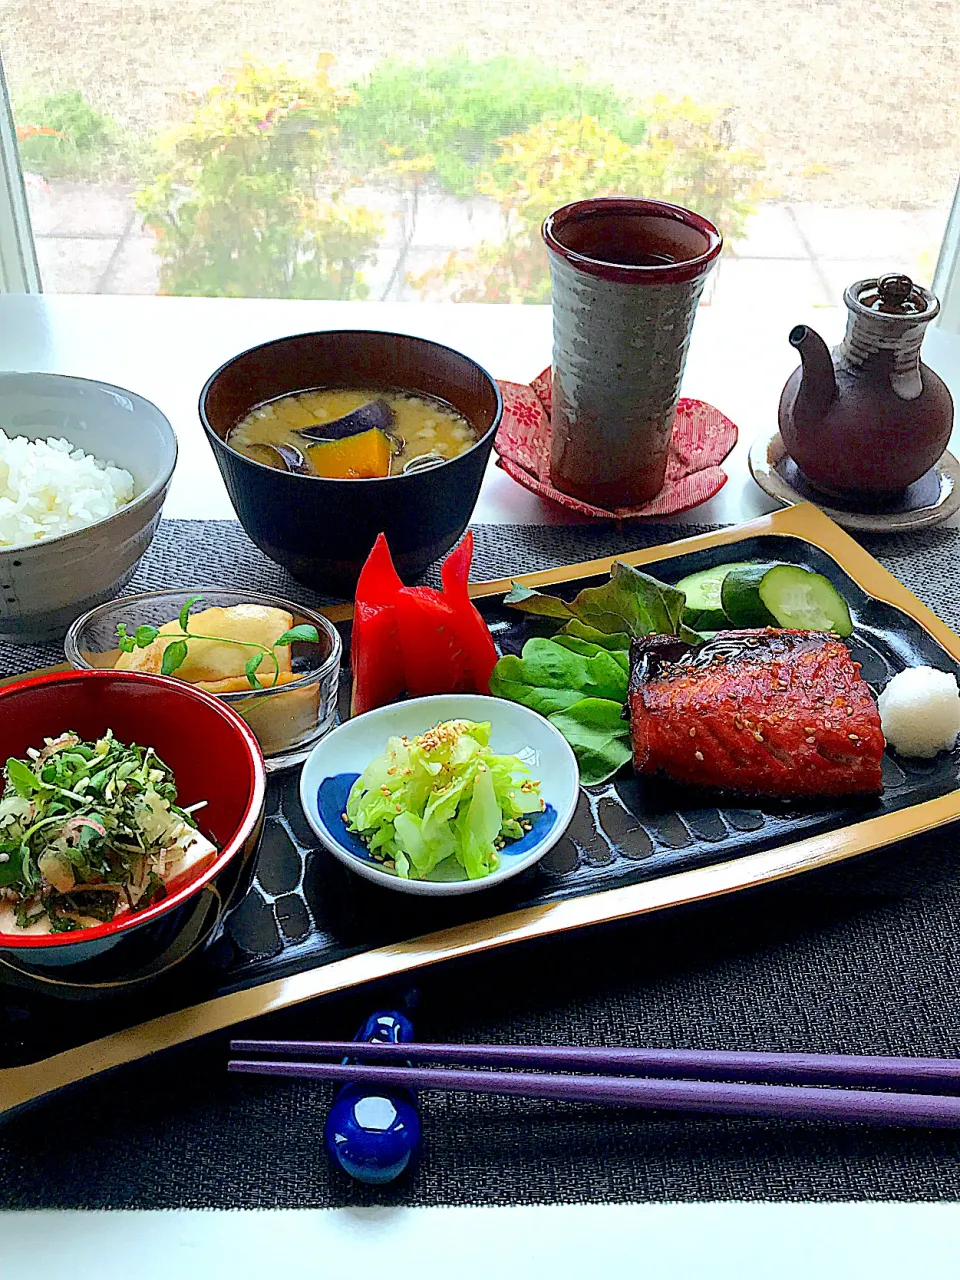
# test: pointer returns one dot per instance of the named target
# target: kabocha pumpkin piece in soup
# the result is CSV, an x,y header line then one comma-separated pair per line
x,y
361,457
379,429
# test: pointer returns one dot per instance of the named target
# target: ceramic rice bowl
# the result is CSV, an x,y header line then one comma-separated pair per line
x,y
45,585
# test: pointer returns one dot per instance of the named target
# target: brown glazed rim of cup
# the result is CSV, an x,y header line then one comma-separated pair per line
x,y
668,273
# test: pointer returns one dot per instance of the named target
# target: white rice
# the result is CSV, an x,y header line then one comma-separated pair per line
x,y
48,488
920,712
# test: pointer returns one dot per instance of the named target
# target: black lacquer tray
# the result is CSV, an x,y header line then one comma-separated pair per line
x,y
306,926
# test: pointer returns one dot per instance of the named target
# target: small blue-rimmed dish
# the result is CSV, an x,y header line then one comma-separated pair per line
x,y
335,763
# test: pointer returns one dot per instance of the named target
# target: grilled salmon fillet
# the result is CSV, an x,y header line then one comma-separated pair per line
x,y
762,713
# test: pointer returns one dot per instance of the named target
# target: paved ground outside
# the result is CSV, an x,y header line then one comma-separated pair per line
x,y
853,102
90,240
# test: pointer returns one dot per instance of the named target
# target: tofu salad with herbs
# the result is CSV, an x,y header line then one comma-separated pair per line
x,y
90,831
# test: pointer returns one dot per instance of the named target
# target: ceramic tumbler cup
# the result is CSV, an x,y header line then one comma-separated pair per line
x,y
627,276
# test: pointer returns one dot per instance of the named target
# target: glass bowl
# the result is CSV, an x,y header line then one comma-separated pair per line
x,y
288,720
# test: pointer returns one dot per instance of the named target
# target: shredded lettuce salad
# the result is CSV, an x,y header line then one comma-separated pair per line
x,y
442,795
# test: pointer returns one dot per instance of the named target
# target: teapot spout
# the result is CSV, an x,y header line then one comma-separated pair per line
x,y
818,381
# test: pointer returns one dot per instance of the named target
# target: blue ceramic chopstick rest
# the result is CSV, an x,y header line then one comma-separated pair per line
x,y
374,1135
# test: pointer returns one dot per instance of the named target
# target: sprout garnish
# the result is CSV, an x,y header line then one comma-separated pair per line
x,y
176,651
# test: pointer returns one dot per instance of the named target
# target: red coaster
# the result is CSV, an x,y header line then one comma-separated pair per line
x,y
702,438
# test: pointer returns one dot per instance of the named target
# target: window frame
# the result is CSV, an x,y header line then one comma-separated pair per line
x,y
19,270
946,277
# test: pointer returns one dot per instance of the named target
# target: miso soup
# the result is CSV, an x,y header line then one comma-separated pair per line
x,y
395,427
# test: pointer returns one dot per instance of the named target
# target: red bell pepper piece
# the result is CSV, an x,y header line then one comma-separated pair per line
x,y
434,658
379,581
376,660
481,652
417,639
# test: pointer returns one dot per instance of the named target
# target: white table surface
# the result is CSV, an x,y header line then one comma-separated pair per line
x,y
720,1241
164,349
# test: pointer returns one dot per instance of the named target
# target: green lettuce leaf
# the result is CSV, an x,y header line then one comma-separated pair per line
x,y
631,603
599,735
545,664
578,678
528,600
589,650
581,688
612,640
507,681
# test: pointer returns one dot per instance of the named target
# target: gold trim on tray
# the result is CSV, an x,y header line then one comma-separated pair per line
x,y
19,1085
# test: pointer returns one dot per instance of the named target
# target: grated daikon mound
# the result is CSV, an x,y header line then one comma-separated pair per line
x,y
48,488
920,712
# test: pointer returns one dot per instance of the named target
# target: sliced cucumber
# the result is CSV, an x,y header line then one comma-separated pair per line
x,y
740,595
784,595
798,598
703,608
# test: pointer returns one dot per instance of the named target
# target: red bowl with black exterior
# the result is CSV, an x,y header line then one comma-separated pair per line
x,y
214,757
323,529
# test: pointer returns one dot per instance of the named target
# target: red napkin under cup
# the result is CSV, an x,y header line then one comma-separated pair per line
x,y
702,438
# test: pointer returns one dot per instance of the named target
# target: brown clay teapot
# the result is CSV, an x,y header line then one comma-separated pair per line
x,y
868,419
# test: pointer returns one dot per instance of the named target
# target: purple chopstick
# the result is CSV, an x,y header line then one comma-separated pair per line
x,y
933,1075
707,1097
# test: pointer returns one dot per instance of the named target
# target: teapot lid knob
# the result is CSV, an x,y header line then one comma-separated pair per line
x,y
894,289
893,294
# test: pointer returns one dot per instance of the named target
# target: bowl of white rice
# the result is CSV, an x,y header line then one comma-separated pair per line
x,y
84,471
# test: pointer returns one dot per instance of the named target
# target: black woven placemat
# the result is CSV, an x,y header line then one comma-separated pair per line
x,y
187,553
860,958
196,553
